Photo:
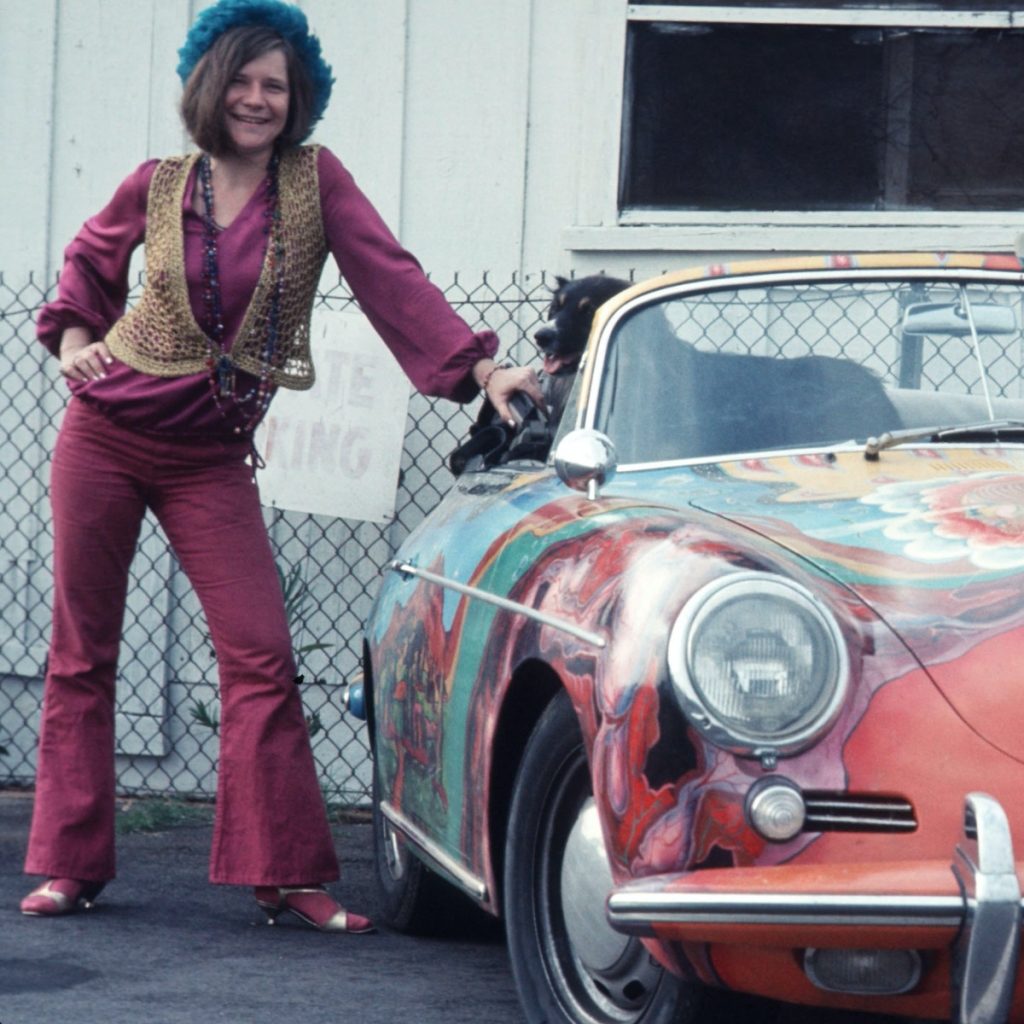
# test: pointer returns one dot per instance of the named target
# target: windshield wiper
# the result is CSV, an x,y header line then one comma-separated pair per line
x,y
985,429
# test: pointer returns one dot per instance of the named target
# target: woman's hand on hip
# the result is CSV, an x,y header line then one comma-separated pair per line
x,y
81,359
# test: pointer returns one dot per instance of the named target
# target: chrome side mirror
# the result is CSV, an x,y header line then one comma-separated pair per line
x,y
955,318
584,460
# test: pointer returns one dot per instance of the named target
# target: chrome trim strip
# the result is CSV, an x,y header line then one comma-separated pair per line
x,y
405,569
443,862
637,912
810,449
820,822
834,812
986,953
878,17
841,804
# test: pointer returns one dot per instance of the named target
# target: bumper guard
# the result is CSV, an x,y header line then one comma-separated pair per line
x,y
975,905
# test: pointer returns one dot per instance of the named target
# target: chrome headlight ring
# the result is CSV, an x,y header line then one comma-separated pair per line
x,y
759,664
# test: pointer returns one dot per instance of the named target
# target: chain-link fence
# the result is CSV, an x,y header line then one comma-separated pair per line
x,y
167,721
167,712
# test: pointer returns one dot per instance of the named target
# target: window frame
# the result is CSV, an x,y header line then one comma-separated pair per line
x,y
602,227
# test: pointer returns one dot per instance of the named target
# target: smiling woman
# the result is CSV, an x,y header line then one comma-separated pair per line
x,y
250,74
165,400
256,104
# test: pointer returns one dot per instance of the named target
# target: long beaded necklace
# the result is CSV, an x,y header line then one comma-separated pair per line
x,y
223,371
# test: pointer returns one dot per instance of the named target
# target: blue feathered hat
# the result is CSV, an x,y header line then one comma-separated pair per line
x,y
285,19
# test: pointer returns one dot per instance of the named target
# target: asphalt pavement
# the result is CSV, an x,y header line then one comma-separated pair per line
x,y
163,946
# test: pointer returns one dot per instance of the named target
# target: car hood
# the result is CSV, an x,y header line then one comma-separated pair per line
x,y
931,539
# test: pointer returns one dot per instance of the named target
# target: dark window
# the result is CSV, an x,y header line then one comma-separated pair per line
x,y
790,117
839,5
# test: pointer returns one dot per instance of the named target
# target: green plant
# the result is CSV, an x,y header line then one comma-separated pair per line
x,y
313,723
159,815
205,715
343,806
296,603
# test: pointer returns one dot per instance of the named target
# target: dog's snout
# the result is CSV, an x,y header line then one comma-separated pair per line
x,y
545,338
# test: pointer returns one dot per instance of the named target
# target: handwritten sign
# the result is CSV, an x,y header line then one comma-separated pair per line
x,y
336,449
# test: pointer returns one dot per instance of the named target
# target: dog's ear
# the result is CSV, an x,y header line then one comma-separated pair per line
x,y
557,299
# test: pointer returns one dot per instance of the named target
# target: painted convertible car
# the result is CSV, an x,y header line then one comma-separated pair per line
x,y
729,691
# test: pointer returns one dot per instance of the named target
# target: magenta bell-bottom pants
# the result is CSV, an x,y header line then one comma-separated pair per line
x,y
271,825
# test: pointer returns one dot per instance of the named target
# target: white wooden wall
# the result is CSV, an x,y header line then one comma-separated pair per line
x,y
460,119
487,133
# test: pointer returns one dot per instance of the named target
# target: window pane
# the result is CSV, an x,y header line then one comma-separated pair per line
x,y
740,369
780,117
967,147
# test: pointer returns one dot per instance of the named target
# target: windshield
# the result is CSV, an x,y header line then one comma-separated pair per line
x,y
749,368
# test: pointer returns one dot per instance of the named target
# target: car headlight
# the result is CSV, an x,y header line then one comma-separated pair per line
x,y
759,664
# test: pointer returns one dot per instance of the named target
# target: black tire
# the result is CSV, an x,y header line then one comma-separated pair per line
x,y
555,973
411,897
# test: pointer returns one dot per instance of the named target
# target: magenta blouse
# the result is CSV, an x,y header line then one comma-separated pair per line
x,y
433,345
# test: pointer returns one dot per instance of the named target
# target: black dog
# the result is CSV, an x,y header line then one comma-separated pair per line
x,y
562,342
491,442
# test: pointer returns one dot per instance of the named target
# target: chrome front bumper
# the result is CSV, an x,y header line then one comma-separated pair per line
x,y
976,905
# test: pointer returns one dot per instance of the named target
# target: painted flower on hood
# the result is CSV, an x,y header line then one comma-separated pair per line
x,y
980,518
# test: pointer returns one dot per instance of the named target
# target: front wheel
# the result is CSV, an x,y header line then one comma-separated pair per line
x,y
410,895
570,965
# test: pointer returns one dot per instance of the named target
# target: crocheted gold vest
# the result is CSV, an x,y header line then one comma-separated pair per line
x,y
160,334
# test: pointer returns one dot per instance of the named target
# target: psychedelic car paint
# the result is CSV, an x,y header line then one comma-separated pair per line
x,y
835,848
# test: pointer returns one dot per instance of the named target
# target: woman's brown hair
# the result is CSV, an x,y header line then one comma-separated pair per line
x,y
202,104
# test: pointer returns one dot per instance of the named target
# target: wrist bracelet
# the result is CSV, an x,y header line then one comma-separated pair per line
x,y
490,373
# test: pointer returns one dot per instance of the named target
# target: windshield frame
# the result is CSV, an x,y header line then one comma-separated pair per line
x,y
588,387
